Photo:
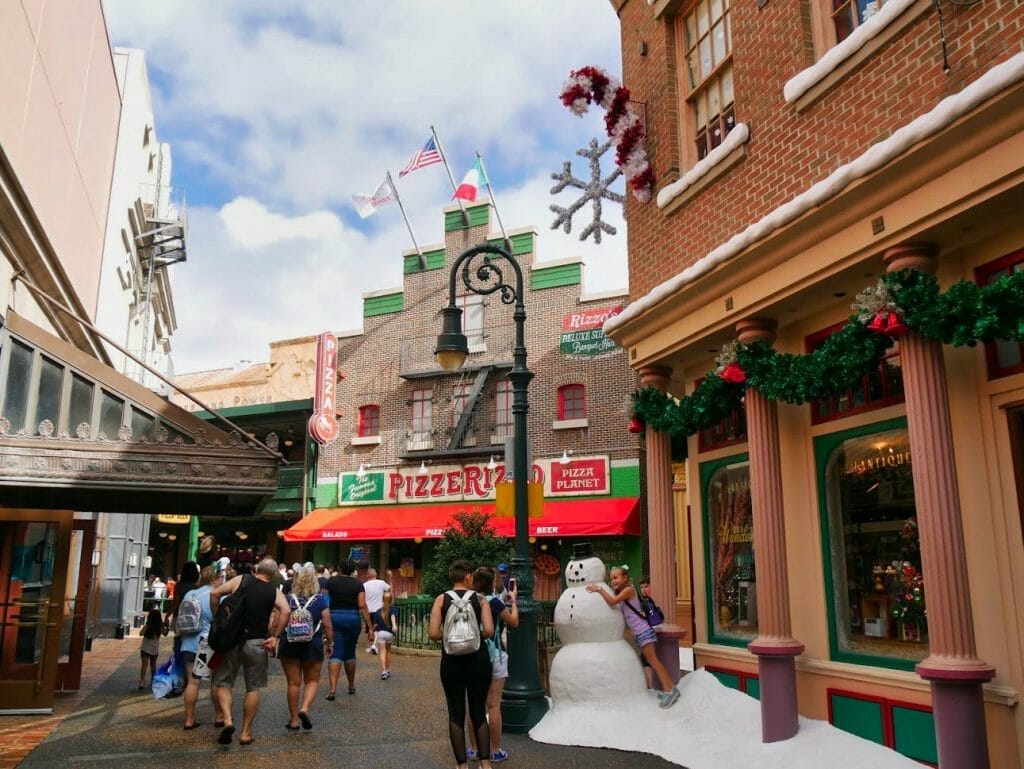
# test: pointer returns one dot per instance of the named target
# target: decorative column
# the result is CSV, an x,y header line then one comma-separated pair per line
x,y
661,529
952,666
775,647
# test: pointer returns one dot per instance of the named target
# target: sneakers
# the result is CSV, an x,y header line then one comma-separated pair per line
x,y
371,649
385,675
498,755
471,754
668,699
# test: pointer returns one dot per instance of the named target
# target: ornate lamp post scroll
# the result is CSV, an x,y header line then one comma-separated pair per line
x,y
480,268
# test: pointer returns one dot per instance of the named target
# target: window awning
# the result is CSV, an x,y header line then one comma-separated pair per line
x,y
561,518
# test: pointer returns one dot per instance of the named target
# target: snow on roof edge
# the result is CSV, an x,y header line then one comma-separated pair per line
x,y
942,114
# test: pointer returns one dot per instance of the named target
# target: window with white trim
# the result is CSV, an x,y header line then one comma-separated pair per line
x,y
572,402
472,306
369,421
421,423
502,412
705,40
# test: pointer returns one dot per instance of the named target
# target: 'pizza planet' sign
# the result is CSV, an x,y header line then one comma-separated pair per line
x,y
582,476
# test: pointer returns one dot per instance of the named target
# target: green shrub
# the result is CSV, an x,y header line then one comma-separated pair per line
x,y
470,537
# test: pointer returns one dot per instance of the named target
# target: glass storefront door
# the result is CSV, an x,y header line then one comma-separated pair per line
x,y
33,566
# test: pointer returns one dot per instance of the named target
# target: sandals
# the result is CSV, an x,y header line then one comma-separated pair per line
x,y
225,735
291,728
351,690
304,718
190,727
332,697
218,724
249,741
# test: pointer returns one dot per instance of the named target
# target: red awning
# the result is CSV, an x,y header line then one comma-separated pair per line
x,y
561,518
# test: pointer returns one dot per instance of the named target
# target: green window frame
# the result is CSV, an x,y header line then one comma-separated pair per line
x,y
824,446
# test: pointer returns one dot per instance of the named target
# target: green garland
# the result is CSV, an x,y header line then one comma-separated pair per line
x,y
962,316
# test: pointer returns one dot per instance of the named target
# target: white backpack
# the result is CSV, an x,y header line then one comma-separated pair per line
x,y
461,631
300,628
190,616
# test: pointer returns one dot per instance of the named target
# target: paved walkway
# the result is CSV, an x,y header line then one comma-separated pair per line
x,y
396,724
19,735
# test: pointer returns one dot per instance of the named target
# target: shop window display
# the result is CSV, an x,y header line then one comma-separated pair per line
x,y
878,590
730,547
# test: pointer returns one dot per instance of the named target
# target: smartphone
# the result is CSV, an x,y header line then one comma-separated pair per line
x,y
511,584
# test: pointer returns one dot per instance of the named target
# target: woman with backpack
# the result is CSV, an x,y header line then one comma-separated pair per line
x,y
307,636
484,581
194,617
462,620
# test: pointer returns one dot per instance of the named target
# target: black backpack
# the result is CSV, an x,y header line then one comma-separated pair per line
x,y
227,630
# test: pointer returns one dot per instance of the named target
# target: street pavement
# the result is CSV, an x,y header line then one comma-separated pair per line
x,y
396,724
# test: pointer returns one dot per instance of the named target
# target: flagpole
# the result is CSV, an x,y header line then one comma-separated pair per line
x,y
398,199
490,193
440,151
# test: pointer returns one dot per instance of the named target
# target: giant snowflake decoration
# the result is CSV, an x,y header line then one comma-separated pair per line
x,y
595,189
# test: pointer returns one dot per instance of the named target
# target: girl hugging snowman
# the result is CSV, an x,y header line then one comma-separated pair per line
x,y
641,629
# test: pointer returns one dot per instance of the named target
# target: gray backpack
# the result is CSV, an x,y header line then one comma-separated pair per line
x,y
461,630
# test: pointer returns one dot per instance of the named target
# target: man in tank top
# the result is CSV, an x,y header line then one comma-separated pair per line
x,y
262,598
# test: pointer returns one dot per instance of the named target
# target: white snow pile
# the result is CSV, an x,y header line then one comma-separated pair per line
x,y
797,85
737,136
713,726
951,108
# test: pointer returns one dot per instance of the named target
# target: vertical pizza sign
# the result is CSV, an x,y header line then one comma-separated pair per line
x,y
323,425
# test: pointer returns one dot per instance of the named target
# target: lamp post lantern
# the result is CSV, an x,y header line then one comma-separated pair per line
x,y
522,701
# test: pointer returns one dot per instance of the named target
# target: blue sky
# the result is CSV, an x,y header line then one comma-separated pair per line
x,y
277,112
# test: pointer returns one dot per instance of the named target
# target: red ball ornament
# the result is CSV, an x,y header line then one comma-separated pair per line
x,y
636,425
733,373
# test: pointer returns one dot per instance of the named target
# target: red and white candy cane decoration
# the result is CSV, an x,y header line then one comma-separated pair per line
x,y
593,84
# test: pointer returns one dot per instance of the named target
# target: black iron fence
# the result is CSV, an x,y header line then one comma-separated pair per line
x,y
414,617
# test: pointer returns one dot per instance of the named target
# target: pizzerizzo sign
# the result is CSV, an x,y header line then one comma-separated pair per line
x,y
582,476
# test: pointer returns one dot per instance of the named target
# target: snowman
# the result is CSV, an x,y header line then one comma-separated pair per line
x,y
596,672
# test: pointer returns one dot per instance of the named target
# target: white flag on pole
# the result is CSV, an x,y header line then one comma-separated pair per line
x,y
367,204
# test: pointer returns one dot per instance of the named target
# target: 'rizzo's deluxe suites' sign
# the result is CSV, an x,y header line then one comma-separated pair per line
x,y
582,476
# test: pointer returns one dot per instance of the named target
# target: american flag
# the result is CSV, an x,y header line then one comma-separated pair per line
x,y
424,157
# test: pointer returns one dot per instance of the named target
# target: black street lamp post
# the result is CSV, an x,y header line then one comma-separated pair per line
x,y
523,702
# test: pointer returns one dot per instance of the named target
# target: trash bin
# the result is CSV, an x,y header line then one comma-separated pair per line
x,y
120,632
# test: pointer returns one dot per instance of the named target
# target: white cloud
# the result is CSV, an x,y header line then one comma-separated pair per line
x,y
278,112
250,223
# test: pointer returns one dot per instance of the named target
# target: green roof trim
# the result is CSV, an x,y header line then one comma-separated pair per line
x,y
260,409
434,259
479,216
383,305
522,243
559,275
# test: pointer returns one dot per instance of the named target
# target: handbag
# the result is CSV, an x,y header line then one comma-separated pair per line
x,y
168,681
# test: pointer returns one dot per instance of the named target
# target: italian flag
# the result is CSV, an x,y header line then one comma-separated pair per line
x,y
471,183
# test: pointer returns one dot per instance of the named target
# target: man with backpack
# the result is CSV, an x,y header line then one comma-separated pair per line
x,y
247,624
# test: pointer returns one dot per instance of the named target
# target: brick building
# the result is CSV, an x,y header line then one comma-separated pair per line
x,y
417,444
803,150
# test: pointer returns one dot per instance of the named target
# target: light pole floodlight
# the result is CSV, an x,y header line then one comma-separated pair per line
x,y
452,347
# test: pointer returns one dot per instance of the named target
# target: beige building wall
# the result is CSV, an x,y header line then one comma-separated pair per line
x,y
288,376
58,127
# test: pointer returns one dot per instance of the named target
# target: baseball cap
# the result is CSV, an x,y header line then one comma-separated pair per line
x,y
502,568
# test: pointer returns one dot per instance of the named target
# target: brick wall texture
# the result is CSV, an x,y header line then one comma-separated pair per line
x,y
788,151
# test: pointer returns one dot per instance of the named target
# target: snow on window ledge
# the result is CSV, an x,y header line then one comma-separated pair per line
x,y
570,424
365,440
800,83
737,137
